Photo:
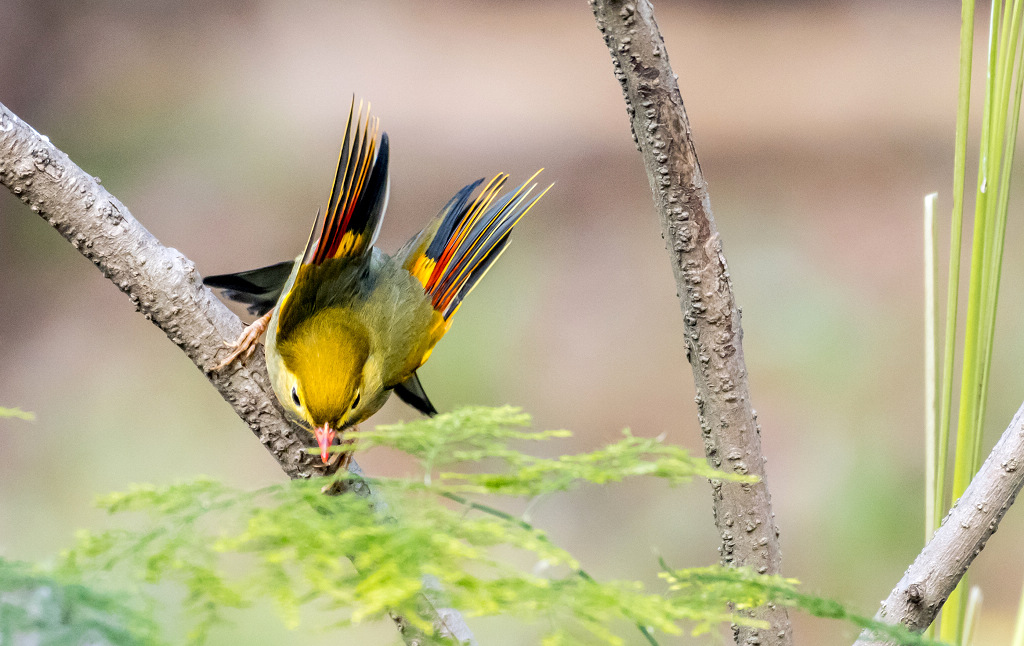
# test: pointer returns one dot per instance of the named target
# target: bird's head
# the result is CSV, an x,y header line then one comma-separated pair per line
x,y
321,375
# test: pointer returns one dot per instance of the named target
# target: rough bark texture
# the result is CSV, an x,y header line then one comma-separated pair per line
x,y
166,288
930,580
712,321
162,283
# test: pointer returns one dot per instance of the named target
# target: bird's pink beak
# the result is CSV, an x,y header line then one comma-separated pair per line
x,y
324,437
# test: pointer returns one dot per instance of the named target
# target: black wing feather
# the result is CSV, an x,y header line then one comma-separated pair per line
x,y
260,288
411,392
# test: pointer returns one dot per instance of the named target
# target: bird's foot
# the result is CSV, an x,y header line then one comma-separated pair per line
x,y
346,440
245,345
346,460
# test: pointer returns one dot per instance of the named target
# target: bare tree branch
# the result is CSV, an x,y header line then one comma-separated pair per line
x,y
937,570
166,288
732,439
162,283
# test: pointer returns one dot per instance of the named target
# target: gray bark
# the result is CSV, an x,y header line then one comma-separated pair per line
x,y
162,283
937,570
711,319
165,287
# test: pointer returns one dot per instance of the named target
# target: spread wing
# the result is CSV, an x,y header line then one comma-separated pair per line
x,y
359,195
452,254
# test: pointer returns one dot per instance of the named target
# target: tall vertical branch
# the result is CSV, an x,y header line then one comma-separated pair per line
x,y
711,319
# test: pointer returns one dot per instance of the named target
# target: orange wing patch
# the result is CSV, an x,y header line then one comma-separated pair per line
x,y
470,236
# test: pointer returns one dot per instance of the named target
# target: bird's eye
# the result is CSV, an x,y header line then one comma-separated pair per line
x,y
355,402
295,396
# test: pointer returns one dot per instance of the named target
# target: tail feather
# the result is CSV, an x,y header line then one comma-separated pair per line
x,y
469,237
358,197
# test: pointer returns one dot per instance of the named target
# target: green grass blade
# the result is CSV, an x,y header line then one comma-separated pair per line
x,y
971,618
950,624
990,294
969,379
998,138
955,248
17,413
1018,629
930,365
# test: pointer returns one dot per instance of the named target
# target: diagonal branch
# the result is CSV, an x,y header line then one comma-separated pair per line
x,y
937,570
711,319
166,288
162,283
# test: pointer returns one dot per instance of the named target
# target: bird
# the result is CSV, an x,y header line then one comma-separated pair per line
x,y
346,324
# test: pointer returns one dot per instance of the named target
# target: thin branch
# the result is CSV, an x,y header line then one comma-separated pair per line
x,y
732,439
919,595
166,288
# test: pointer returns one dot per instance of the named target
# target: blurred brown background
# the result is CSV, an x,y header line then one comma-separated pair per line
x,y
819,126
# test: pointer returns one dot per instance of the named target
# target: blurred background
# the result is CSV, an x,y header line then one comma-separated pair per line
x,y
820,126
